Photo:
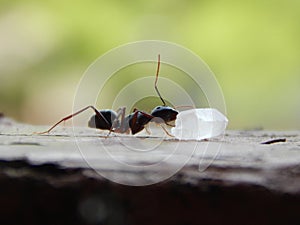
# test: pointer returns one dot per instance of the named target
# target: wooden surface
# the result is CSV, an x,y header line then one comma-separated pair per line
x,y
238,157
187,177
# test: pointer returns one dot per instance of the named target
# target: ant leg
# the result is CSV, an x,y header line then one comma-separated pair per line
x,y
122,122
170,125
165,130
71,116
147,129
121,112
145,114
136,111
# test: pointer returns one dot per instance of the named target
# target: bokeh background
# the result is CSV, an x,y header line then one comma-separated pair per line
x,y
253,47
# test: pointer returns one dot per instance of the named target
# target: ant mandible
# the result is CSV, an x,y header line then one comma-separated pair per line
x,y
134,122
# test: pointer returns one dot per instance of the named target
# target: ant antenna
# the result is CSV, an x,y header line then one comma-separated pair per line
x,y
156,79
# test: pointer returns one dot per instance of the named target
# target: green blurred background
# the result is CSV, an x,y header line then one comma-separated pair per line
x,y
253,47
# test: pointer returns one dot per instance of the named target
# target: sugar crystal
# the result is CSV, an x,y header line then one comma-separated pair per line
x,y
198,124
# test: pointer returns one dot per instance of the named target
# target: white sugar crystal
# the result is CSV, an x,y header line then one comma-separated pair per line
x,y
197,124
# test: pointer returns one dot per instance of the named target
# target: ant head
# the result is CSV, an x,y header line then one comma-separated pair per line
x,y
166,113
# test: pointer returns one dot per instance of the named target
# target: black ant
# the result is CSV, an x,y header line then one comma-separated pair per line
x,y
134,122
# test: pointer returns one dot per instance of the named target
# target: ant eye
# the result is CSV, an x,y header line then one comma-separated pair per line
x,y
158,107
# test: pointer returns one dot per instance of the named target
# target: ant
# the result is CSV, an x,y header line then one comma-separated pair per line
x,y
135,122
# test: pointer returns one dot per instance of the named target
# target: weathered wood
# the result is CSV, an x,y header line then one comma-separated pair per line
x,y
232,179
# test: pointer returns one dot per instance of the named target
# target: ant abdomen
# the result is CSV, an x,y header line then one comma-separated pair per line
x,y
105,122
